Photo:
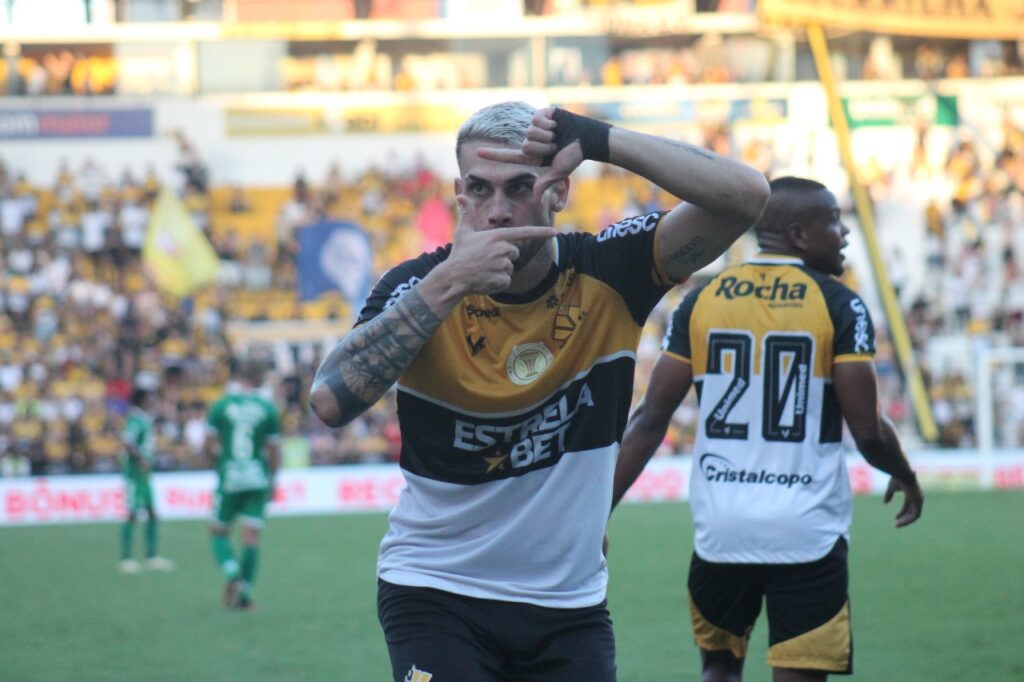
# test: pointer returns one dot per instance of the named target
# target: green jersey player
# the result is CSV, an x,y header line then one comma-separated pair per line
x,y
244,435
136,463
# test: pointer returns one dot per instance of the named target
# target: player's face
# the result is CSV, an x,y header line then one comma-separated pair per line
x,y
826,235
501,195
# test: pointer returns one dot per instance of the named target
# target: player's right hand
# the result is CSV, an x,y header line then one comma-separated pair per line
x,y
482,258
913,500
538,144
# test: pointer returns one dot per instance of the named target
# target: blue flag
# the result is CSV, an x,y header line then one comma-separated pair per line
x,y
335,256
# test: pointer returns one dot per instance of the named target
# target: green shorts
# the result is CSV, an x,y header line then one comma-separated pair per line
x,y
247,504
138,494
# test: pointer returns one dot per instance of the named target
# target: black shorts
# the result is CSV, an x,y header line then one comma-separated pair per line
x,y
808,610
437,636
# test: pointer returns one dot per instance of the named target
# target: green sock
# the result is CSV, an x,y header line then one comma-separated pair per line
x,y
225,557
127,529
151,537
250,558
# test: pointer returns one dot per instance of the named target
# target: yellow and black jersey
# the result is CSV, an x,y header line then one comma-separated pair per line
x,y
511,417
769,483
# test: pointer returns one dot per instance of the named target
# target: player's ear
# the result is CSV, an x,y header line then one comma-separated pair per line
x,y
559,194
796,235
458,186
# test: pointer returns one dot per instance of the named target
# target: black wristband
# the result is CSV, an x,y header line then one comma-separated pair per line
x,y
592,134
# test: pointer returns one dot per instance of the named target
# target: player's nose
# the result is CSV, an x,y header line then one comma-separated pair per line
x,y
499,211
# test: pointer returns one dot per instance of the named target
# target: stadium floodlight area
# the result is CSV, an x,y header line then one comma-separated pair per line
x,y
996,426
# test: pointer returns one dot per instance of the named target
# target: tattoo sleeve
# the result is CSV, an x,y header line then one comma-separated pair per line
x,y
365,364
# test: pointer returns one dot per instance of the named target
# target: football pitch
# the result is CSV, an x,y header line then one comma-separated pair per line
x,y
941,600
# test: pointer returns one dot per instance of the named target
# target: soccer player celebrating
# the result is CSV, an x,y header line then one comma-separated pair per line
x,y
136,463
244,435
514,349
781,353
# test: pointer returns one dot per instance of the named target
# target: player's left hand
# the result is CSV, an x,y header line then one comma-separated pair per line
x,y
540,143
913,501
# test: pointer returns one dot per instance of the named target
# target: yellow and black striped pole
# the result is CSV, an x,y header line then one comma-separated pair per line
x,y
897,324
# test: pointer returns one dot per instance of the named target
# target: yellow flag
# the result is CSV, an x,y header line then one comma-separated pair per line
x,y
177,254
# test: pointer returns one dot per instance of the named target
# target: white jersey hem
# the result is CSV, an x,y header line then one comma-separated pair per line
x,y
408,579
802,556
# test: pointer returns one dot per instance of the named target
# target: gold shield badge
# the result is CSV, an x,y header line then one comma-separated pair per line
x,y
527,361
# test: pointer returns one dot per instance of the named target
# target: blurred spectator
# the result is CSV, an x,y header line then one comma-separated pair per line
x,y
239,202
193,173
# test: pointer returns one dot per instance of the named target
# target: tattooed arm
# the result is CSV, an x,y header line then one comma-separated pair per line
x,y
365,364
721,197
371,358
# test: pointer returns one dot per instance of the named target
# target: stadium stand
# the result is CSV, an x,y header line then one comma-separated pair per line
x,y
82,322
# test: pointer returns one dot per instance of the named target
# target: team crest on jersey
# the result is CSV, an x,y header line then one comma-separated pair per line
x,y
527,362
567,318
417,675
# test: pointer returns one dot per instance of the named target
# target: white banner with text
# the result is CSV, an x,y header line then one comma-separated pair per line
x,y
374,488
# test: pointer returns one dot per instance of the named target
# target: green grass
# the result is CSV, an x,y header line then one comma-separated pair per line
x,y
941,600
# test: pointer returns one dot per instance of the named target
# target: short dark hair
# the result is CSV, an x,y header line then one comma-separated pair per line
x,y
791,183
784,205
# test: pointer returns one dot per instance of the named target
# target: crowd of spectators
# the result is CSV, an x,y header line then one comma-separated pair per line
x,y
970,293
81,323
888,58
